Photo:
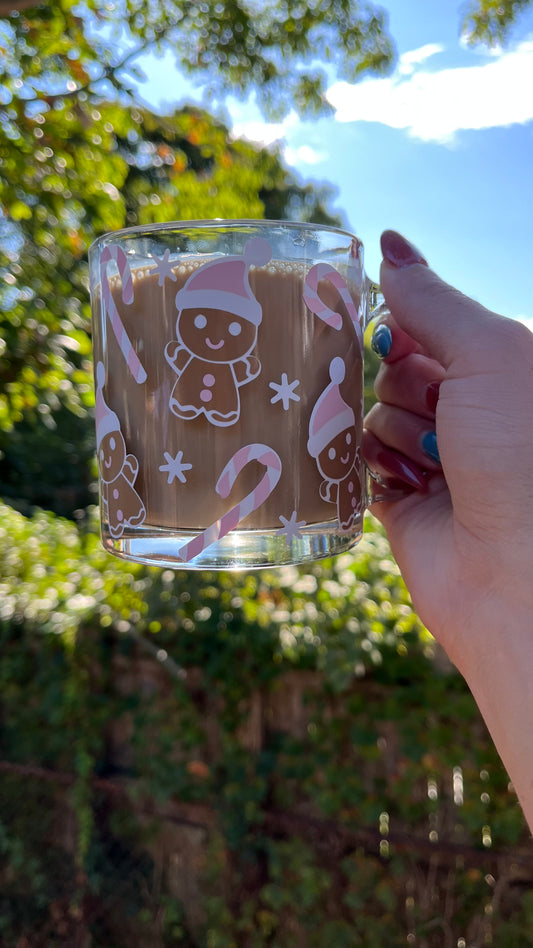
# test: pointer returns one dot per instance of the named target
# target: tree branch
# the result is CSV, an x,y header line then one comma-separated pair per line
x,y
109,73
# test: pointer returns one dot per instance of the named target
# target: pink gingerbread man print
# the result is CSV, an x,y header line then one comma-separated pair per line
x,y
216,328
118,470
333,444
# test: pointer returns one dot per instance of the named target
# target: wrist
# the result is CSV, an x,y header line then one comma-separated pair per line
x,y
497,631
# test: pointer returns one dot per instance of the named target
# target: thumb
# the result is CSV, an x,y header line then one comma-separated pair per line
x,y
445,322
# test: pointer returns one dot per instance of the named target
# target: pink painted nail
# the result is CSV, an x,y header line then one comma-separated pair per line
x,y
388,490
399,466
399,252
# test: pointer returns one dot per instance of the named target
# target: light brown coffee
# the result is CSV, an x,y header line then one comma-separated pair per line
x,y
217,381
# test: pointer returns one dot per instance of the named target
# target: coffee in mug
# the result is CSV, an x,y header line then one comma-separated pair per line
x,y
229,392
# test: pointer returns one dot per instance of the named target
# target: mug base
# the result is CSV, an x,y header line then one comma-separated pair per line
x,y
239,550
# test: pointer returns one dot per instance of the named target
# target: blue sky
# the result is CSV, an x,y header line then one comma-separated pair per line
x,y
441,150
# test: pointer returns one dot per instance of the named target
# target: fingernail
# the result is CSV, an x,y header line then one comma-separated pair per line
x,y
432,396
389,490
430,447
399,252
381,341
399,466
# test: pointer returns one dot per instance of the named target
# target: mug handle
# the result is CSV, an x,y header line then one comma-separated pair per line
x,y
377,307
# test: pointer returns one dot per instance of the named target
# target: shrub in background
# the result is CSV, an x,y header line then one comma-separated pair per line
x,y
271,758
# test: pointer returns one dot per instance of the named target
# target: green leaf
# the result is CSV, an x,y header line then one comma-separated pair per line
x,y
19,211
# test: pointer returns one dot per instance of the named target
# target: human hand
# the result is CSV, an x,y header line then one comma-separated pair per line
x,y
461,526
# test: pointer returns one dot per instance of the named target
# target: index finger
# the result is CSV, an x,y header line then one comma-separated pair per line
x,y
442,320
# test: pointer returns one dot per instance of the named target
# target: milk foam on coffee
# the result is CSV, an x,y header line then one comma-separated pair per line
x,y
250,400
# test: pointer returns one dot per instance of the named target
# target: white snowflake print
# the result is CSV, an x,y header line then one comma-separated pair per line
x,y
164,268
285,391
175,467
291,527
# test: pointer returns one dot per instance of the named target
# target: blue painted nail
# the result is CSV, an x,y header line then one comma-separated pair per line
x,y
430,447
381,341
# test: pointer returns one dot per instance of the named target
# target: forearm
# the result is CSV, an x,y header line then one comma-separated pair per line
x,y
500,677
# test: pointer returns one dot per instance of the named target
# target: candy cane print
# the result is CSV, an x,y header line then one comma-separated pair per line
x,y
323,271
250,452
115,253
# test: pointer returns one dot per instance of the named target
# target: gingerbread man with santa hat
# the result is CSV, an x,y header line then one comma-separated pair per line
x,y
333,444
216,328
118,469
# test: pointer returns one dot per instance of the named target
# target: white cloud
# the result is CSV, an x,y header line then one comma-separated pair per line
x,y
410,60
433,106
527,321
261,132
304,155
255,129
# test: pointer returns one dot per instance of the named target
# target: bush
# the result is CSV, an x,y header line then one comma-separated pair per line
x,y
293,738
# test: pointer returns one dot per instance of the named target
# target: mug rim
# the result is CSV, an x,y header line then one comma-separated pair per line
x,y
138,229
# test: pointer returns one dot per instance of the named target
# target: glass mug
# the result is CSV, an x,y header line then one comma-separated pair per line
x,y
229,392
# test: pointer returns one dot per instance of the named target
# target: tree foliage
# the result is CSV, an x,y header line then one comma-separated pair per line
x,y
491,21
72,166
279,47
